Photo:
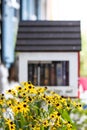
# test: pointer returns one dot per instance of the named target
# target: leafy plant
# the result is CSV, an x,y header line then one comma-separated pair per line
x,y
27,107
80,117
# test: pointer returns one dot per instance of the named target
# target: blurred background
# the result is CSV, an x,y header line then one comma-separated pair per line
x,y
13,11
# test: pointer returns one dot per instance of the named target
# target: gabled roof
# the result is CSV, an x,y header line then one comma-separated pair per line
x,y
48,36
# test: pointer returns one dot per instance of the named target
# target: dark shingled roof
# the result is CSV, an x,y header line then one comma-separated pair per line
x,y
48,36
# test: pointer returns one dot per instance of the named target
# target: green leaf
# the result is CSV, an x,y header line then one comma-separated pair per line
x,y
23,121
66,115
50,109
42,128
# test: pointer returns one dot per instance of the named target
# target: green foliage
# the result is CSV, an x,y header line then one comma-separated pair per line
x,y
80,118
83,57
36,108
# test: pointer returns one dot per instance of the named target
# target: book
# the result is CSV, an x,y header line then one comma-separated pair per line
x,y
38,78
30,72
64,72
59,76
42,71
35,76
46,74
67,73
52,74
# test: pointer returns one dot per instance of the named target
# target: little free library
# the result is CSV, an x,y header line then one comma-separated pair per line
x,y
48,53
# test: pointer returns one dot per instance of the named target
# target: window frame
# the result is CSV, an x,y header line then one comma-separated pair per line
x,y
55,71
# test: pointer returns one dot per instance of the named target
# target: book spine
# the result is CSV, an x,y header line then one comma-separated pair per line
x,y
30,72
52,74
42,66
67,73
35,74
38,78
46,75
59,73
64,73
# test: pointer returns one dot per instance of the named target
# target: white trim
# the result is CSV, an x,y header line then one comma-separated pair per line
x,y
72,57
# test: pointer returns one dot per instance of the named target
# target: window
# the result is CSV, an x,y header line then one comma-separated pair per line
x,y
33,9
52,73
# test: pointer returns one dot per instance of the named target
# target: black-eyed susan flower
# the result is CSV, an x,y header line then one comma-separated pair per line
x,y
29,99
69,125
9,91
16,108
59,124
74,103
19,89
9,102
68,107
36,127
10,124
45,123
59,105
53,128
79,106
58,116
2,100
25,107
52,116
